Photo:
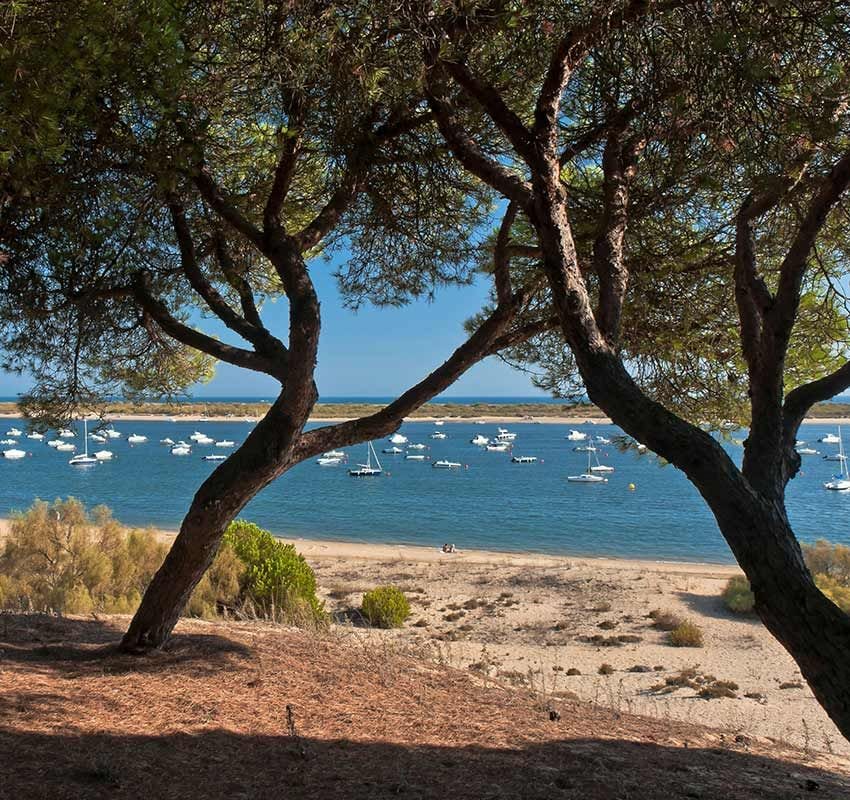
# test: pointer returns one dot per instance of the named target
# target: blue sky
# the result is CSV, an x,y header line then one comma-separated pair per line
x,y
371,352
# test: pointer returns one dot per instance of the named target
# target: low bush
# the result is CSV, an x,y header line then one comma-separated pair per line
x,y
737,595
686,634
664,620
385,607
59,557
275,581
830,566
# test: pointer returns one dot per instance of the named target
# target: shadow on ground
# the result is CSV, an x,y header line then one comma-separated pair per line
x,y
711,606
77,646
221,764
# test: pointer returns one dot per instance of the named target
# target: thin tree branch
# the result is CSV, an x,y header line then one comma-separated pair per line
x,y
200,341
285,170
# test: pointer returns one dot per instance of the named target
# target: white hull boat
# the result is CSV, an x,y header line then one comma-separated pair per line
x,y
367,470
96,437
14,432
111,433
392,451
64,447
66,434
225,443
214,457
84,459
524,459
446,464
830,438
587,476
414,458
576,436
481,441
438,422
177,450
14,454
136,439
585,448
438,435
808,451
497,448
36,436
167,441
334,454
398,438
103,455
326,461
8,441
840,482
417,447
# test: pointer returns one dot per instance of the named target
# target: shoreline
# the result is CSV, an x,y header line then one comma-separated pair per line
x,y
571,419
383,552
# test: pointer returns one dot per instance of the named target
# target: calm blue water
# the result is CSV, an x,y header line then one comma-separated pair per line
x,y
493,504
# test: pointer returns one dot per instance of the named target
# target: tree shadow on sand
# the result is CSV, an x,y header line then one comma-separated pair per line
x,y
78,646
223,764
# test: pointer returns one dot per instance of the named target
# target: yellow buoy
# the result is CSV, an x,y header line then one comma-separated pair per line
x,y
631,487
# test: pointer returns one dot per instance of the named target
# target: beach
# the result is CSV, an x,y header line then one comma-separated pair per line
x,y
528,619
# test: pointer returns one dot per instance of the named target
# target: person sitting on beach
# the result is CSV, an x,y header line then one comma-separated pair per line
x,y
449,548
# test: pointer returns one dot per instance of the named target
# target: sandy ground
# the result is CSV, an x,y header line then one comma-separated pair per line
x,y
530,618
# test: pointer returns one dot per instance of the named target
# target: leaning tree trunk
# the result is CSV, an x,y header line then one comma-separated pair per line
x,y
263,456
814,631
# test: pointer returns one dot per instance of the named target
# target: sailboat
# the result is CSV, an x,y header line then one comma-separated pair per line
x,y
600,467
840,483
367,470
587,476
84,459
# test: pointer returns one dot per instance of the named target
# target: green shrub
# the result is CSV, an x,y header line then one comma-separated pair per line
x,y
385,607
687,634
276,579
737,595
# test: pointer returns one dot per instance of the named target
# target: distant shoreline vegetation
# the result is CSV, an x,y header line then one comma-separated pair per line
x,y
446,409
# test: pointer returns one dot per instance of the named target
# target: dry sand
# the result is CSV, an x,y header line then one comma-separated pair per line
x,y
529,618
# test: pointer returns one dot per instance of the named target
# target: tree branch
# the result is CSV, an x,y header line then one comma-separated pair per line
x,y
196,339
800,400
224,206
491,101
285,170
501,256
468,153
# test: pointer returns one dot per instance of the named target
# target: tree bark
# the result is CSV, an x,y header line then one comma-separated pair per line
x,y
263,456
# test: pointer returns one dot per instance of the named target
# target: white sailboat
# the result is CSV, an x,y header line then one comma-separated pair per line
x,y
84,459
14,454
442,464
840,483
587,476
367,470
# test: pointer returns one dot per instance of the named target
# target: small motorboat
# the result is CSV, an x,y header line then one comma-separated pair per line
x,y
502,447
830,438
205,440
167,441
397,438
103,455
54,443
835,457
8,441
438,435
438,422
181,450
584,448
478,439
96,437
35,435
392,451
136,438
66,434
524,459
197,435
14,454
14,432
328,461
214,457
808,451
111,433
417,447
504,435
410,457
602,440
334,454
66,447
225,443
576,436
442,464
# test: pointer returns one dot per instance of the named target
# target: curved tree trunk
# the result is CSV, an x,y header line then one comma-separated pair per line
x,y
263,456
814,631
